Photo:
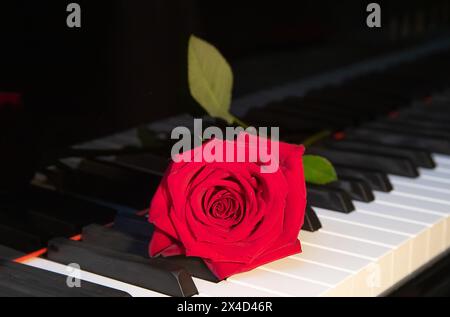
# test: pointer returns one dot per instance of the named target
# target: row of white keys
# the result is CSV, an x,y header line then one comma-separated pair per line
x,y
205,288
434,223
430,193
412,235
319,271
410,243
326,275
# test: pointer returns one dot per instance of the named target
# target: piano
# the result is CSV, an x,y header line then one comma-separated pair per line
x,y
383,229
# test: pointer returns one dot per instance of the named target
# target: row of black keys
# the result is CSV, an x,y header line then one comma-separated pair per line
x,y
358,100
362,160
119,253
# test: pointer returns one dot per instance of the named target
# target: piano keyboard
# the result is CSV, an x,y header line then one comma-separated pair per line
x,y
363,253
386,218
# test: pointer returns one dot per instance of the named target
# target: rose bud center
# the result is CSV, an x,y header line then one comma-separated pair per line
x,y
225,207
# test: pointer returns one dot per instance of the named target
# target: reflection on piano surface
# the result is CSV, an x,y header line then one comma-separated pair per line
x,y
382,229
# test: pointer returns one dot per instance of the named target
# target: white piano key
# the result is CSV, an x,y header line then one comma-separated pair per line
x,y
436,223
333,259
442,169
444,165
411,253
360,268
306,271
400,213
434,174
344,245
418,205
373,221
413,203
433,178
371,280
362,232
400,245
441,158
228,289
421,182
421,193
285,284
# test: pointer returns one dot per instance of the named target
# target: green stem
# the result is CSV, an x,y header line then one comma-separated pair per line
x,y
240,122
316,138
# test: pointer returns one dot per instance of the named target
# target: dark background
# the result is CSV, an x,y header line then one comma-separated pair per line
x,y
126,65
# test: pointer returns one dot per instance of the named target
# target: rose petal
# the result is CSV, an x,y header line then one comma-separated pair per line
x,y
222,270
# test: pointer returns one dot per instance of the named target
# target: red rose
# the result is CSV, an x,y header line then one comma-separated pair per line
x,y
233,215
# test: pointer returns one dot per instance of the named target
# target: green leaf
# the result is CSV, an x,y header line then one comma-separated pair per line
x,y
210,79
318,170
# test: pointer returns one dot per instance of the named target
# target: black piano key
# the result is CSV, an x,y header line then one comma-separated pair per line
x,y
259,117
139,227
27,225
133,224
56,213
402,128
113,239
194,266
418,123
53,226
368,86
23,280
7,291
144,162
378,181
153,274
418,157
303,112
357,189
387,164
17,233
438,116
329,198
7,253
108,182
402,140
298,106
311,222
351,100
428,117
124,242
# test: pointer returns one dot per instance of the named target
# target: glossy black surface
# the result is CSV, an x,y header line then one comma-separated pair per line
x,y
23,280
152,274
